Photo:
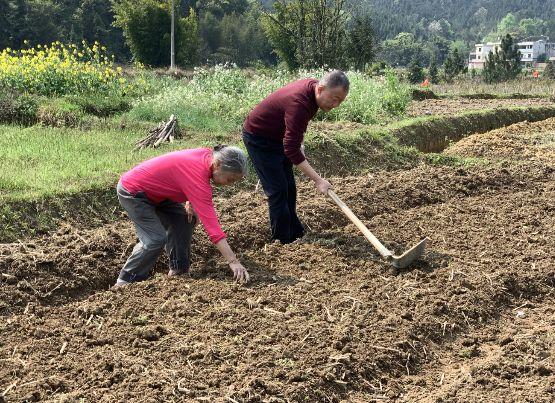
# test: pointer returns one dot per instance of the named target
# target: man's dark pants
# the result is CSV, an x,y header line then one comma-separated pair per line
x,y
275,172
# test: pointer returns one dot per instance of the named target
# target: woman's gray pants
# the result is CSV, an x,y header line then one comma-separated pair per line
x,y
160,226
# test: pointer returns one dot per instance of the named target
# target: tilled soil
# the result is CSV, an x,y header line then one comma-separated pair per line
x,y
527,142
450,106
324,319
511,359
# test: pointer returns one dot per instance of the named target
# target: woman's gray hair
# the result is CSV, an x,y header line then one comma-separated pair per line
x,y
334,79
231,158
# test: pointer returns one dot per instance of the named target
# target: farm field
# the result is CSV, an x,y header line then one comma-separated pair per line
x,y
323,319
450,106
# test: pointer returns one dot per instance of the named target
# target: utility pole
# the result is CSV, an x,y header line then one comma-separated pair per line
x,y
172,50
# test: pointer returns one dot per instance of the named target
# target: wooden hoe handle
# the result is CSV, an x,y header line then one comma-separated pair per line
x,y
373,240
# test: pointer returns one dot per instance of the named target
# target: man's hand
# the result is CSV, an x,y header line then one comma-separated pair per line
x,y
323,186
190,212
240,274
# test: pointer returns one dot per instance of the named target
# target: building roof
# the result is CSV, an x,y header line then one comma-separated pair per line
x,y
536,38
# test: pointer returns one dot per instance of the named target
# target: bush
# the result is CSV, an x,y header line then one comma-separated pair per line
x,y
18,109
60,112
550,70
214,99
377,69
397,96
101,105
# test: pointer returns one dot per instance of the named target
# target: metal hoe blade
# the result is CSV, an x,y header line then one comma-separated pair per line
x,y
399,262
409,256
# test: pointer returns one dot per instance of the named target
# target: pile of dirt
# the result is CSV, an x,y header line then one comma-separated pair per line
x,y
437,133
522,141
452,106
324,319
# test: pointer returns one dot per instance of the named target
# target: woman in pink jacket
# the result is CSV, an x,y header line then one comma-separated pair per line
x,y
153,194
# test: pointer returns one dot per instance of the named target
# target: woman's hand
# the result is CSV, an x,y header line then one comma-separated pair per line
x,y
240,274
190,212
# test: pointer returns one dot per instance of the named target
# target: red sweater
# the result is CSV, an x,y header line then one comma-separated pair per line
x,y
284,115
179,176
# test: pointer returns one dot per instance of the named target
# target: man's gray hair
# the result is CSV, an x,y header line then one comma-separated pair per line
x,y
232,159
335,79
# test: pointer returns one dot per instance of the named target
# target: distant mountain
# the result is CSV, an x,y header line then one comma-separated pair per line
x,y
469,20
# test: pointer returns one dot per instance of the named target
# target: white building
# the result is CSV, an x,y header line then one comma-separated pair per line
x,y
531,50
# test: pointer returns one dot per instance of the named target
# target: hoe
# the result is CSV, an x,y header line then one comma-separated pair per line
x,y
399,262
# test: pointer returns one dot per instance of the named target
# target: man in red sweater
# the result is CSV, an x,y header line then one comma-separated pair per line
x,y
273,134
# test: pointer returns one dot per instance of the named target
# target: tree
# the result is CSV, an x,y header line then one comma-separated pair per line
x,y
146,27
433,71
550,70
508,25
277,28
361,47
219,8
254,38
401,50
308,33
227,35
416,73
503,64
509,58
95,19
454,64
438,47
519,29
187,39
209,28
34,21
491,72
532,27
6,27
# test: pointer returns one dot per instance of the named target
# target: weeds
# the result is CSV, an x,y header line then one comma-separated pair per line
x,y
220,99
17,108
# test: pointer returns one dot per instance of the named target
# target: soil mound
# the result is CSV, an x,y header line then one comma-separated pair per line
x,y
522,141
452,106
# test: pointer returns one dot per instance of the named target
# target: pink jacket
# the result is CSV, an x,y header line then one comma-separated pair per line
x,y
179,176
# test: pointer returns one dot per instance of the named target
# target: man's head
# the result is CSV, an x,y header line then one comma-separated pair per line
x,y
331,90
229,165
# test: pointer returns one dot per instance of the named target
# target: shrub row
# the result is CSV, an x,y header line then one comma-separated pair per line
x,y
71,111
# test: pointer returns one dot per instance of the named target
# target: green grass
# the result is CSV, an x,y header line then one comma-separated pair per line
x,y
38,161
